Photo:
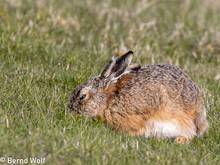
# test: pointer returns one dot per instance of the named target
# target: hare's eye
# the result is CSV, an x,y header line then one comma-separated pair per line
x,y
82,97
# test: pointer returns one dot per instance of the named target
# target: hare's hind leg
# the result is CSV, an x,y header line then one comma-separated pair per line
x,y
201,121
177,125
201,125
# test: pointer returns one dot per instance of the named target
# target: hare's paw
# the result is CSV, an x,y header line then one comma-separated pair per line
x,y
181,139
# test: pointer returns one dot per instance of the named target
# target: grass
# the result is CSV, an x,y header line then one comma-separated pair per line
x,y
49,47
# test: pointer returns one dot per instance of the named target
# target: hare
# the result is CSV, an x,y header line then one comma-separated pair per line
x,y
157,100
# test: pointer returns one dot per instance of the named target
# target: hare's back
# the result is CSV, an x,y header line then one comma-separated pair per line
x,y
160,79
164,72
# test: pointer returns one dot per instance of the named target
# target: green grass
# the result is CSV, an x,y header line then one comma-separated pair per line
x,y
49,47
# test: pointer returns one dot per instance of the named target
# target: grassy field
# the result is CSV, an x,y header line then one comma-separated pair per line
x,y
48,47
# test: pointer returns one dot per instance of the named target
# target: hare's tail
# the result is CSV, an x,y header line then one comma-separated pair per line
x,y
201,121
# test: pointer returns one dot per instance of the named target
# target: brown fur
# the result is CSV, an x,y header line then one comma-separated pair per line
x,y
142,99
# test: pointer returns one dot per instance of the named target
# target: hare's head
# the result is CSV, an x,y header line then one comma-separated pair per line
x,y
91,98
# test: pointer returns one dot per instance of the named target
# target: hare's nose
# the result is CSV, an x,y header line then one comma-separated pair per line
x,y
72,106
69,105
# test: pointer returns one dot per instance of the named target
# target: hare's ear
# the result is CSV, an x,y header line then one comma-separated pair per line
x,y
107,71
116,67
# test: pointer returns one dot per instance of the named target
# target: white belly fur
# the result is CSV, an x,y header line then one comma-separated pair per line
x,y
162,129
